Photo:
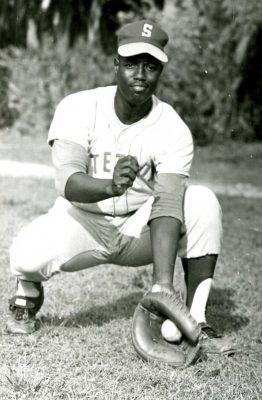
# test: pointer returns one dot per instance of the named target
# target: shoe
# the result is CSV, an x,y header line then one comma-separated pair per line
x,y
209,331
213,342
21,319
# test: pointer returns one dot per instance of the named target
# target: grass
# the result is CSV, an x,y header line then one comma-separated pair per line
x,y
83,349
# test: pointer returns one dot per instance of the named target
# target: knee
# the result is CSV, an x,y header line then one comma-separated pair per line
x,y
203,203
22,257
203,222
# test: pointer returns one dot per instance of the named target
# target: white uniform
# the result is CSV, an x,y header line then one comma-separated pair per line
x,y
116,230
161,143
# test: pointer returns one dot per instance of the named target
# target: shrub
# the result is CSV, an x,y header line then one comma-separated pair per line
x,y
40,79
208,80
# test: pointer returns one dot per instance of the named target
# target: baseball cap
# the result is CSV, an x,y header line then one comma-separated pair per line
x,y
142,37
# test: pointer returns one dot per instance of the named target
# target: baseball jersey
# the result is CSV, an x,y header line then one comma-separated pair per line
x,y
161,143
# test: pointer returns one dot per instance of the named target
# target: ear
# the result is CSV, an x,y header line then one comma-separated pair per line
x,y
116,63
161,67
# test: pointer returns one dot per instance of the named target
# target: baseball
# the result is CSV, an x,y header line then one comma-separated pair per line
x,y
170,332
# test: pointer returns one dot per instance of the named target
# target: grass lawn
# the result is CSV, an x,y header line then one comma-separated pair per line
x,y
83,349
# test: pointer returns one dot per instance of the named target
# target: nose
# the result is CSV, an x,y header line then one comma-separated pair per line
x,y
140,72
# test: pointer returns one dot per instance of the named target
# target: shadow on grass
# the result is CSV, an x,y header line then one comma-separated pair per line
x,y
221,311
124,307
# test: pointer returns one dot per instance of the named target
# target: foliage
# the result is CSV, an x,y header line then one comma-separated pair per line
x,y
74,19
40,80
214,77
209,47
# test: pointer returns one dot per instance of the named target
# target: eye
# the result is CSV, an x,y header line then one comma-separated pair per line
x,y
129,65
151,67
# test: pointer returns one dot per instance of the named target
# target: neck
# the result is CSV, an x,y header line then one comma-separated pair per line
x,y
130,113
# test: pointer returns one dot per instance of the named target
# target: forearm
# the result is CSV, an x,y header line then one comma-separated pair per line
x,y
72,180
83,188
165,233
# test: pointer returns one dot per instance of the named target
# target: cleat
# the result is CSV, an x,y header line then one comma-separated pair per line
x,y
213,342
209,331
21,319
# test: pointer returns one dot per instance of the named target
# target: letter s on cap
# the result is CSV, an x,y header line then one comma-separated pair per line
x,y
147,30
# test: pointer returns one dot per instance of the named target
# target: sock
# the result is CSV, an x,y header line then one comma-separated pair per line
x,y
199,274
27,289
198,306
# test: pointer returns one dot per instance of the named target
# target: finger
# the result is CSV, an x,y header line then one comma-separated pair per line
x,y
128,161
123,181
130,166
121,189
133,163
129,173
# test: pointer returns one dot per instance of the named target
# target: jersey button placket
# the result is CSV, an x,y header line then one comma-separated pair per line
x,y
125,153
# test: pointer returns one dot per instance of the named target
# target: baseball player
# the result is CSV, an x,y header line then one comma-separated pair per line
x,y
122,159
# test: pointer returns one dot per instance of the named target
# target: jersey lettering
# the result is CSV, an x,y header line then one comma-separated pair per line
x,y
105,162
147,30
107,156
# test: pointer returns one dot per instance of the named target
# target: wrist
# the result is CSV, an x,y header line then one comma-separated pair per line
x,y
109,188
113,190
162,287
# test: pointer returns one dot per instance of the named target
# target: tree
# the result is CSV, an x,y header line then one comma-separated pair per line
x,y
213,79
91,19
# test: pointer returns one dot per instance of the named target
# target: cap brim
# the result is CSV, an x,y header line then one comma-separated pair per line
x,y
133,49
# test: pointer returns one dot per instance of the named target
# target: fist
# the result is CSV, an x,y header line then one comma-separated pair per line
x,y
125,173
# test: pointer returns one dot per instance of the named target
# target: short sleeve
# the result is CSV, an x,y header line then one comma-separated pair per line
x,y
73,118
173,155
172,144
68,158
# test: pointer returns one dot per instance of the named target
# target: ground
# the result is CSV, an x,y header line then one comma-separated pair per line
x,y
83,349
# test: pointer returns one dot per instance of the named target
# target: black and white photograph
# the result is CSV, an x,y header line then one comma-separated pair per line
x,y
131,200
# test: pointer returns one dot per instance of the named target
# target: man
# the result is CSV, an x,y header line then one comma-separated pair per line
x,y
122,159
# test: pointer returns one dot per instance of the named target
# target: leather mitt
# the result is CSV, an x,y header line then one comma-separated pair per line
x,y
149,315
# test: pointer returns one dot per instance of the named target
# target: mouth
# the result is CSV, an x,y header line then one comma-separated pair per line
x,y
139,88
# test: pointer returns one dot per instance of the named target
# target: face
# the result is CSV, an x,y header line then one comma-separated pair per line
x,y
137,77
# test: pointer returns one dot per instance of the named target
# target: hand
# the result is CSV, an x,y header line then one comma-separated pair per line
x,y
125,173
162,287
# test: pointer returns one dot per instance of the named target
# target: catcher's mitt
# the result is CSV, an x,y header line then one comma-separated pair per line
x,y
151,312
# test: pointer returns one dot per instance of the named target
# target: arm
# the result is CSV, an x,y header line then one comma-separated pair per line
x,y
83,188
165,224
172,160
72,181
165,233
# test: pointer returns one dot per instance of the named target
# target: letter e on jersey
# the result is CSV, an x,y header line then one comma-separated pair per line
x,y
147,30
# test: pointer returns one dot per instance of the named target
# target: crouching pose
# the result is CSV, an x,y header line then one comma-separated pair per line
x,y
122,159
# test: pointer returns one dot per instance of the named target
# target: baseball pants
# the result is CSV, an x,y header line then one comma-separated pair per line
x,y
70,239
